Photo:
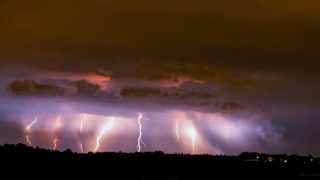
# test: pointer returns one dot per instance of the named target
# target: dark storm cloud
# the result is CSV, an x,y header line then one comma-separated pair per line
x,y
33,88
173,94
176,91
29,87
231,106
260,34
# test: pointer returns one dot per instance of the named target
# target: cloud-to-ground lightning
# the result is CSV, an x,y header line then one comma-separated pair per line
x,y
177,130
193,137
80,131
28,130
57,126
106,127
139,141
81,123
81,148
55,143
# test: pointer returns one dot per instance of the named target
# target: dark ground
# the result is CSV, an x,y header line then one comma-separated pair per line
x,y
27,161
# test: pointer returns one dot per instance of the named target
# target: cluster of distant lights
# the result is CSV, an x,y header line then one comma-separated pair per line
x,y
106,128
271,159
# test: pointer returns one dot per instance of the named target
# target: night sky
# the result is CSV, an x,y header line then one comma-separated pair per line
x,y
218,76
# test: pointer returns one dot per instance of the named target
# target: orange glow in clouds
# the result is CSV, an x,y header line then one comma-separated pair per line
x,y
179,81
102,81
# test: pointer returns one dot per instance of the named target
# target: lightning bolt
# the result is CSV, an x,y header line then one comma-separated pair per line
x,y
80,131
28,140
139,141
57,126
81,148
193,137
55,143
107,127
177,130
81,123
28,130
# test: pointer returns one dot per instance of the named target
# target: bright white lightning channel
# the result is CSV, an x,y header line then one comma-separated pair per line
x,y
28,130
107,127
139,141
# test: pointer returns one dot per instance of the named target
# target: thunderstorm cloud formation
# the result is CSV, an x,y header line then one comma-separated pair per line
x,y
218,77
